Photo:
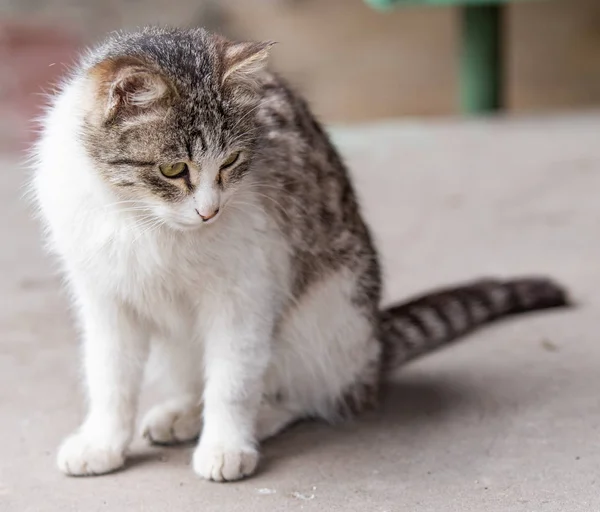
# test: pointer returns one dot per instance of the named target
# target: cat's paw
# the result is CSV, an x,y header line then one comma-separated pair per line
x,y
82,455
224,464
176,421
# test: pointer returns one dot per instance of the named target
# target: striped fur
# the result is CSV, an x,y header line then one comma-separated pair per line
x,y
431,321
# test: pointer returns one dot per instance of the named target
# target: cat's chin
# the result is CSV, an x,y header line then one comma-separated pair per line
x,y
185,223
190,225
180,223
185,226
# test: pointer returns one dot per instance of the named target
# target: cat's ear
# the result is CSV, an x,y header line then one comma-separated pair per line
x,y
243,61
127,86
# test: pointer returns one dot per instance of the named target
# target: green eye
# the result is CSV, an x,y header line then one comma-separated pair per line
x,y
231,159
174,170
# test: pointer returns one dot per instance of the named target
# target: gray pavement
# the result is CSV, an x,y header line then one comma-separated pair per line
x,y
509,420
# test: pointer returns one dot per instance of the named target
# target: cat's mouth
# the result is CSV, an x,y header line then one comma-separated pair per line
x,y
185,224
183,219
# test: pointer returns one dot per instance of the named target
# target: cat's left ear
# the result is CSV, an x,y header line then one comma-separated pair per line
x,y
243,61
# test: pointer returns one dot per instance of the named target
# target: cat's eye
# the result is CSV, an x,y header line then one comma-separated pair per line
x,y
176,170
230,160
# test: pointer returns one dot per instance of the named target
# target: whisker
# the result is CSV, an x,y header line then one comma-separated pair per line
x,y
153,227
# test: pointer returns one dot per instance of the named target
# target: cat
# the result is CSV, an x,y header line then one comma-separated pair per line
x,y
201,215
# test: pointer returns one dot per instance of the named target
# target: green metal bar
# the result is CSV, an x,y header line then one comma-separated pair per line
x,y
481,58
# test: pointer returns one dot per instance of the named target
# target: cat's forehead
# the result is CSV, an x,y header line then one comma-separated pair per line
x,y
203,126
177,136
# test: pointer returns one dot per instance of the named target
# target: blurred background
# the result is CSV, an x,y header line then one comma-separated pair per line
x,y
353,62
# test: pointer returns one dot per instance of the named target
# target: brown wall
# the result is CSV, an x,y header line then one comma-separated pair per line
x,y
356,64
554,54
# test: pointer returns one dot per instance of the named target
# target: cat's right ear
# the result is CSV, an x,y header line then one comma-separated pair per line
x,y
126,86
243,61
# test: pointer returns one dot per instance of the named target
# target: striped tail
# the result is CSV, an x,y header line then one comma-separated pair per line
x,y
426,323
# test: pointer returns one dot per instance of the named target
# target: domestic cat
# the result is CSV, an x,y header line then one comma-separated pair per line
x,y
200,213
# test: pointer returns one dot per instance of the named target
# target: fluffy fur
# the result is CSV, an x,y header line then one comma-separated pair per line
x,y
254,284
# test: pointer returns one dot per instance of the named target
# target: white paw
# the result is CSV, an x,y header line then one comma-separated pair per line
x,y
176,421
214,462
82,455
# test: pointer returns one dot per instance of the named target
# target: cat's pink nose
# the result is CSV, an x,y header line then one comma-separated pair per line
x,y
207,216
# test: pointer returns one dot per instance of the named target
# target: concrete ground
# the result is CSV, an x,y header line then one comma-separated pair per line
x,y
509,420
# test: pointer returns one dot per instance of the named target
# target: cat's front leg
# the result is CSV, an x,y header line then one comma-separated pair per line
x,y
176,368
236,357
114,349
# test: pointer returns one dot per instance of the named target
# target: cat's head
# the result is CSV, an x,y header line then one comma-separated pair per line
x,y
169,120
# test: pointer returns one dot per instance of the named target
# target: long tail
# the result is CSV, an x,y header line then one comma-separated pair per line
x,y
428,322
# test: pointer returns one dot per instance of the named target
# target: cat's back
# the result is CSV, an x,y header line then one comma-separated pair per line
x,y
307,188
